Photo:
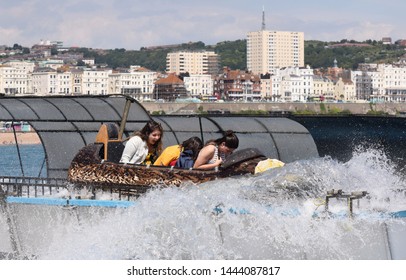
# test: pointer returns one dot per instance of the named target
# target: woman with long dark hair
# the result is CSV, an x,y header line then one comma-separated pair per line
x,y
190,151
215,151
145,145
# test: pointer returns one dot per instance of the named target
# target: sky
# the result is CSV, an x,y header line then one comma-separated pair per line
x,y
132,24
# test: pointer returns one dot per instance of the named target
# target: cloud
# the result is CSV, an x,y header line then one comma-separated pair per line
x,y
12,35
132,24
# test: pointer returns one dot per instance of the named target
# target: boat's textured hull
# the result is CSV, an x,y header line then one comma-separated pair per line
x,y
87,168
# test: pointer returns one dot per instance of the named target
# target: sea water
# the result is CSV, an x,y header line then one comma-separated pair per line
x,y
26,160
277,214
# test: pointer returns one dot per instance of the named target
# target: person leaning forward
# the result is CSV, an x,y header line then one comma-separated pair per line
x,y
144,146
215,151
171,154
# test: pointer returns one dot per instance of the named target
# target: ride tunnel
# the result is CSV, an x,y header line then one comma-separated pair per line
x,y
65,124
277,138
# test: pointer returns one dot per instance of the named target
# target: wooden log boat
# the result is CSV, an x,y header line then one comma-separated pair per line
x,y
97,164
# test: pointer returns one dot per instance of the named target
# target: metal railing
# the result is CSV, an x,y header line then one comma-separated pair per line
x,y
33,187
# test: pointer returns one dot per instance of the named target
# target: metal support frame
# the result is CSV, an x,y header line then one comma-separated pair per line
x,y
350,197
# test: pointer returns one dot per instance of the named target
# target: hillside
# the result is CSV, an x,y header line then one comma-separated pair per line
x,y
318,54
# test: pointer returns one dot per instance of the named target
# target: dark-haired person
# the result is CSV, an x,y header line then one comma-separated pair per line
x,y
145,145
171,154
215,151
189,153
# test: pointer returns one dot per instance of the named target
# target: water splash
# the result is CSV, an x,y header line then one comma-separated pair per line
x,y
266,216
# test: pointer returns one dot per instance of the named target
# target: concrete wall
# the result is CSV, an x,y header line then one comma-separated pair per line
x,y
354,108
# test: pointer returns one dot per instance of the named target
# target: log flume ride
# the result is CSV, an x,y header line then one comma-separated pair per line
x,y
270,216
97,164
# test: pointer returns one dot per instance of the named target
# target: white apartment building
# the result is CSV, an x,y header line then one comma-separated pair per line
x,y
199,86
95,82
64,83
192,62
382,82
138,83
296,84
270,86
270,50
44,82
394,82
27,66
13,80
76,81
276,88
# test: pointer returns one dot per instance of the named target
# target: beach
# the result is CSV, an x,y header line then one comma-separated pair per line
x,y
23,138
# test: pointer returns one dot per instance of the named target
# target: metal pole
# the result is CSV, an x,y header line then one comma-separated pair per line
x,y
201,128
18,149
349,202
124,118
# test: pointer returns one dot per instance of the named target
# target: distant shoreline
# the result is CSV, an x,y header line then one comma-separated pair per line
x,y
23,138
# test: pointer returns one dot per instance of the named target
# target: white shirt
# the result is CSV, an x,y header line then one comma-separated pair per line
x,y
135,151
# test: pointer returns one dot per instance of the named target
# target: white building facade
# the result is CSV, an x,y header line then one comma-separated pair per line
x,y
199,86
44,82
15,77
13,80
138,83
64,83
380,83
296,84
95,82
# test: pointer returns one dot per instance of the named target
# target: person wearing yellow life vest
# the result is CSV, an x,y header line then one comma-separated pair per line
x,y
171,154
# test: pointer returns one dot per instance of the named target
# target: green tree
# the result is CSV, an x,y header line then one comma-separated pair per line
x,y
233,54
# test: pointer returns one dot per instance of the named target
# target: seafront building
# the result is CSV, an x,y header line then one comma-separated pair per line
x,y
296,83
27,66
371,82
47,81
266,88
237,85
13,80
95,81
344,90
169,88
192,62
137,82
323,87
380,82
199,86
271,50
394,87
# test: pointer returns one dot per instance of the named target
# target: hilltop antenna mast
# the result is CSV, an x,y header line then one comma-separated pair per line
x,y
263,18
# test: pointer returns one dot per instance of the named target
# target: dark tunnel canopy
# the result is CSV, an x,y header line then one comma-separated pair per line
x,y
278,138
67,123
